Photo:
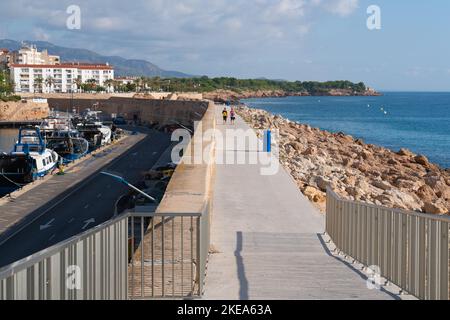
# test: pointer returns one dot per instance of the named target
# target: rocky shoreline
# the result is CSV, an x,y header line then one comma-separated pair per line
x,y
222,96
355,170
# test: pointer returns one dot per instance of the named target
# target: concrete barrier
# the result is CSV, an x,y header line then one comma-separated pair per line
x,y
191,185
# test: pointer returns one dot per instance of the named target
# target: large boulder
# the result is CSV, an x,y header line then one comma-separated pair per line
x,y
398,199
426,193
406,153
322,183
438,207
314,194
297,146
311,150
383,185
422,160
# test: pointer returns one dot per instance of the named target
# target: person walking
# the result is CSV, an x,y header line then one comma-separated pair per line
x,y
225,115
232,115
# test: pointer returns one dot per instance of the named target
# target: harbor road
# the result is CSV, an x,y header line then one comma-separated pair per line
x,y
88,204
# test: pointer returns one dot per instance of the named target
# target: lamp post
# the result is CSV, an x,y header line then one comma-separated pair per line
x,y
184,127
123,181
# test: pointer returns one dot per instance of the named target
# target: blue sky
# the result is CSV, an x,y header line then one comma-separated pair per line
x,y
279,39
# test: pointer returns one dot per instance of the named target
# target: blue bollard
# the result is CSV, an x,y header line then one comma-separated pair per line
x,y
268,141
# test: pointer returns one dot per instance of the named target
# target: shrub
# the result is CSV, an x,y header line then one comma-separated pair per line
x,y
10,98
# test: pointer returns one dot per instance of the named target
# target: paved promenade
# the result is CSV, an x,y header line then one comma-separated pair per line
x,y
266,240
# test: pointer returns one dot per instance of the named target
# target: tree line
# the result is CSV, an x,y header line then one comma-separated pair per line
x,y
206,84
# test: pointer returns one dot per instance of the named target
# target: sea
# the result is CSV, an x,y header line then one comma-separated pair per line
x,y
414,120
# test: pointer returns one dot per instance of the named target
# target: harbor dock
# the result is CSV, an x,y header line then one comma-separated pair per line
x,y
18,124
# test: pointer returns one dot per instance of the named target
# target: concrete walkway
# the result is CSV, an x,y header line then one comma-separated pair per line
x,y
266,238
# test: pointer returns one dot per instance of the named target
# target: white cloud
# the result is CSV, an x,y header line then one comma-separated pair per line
x,y
40,34
339,7
182,8
107,23
170,32
233,24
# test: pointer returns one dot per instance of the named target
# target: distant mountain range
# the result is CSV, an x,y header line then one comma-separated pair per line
x,y
122,66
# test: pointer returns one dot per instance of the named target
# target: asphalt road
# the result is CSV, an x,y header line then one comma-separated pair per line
x,y
91,204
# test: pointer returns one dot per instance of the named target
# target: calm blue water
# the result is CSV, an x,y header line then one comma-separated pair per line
x,y
417,121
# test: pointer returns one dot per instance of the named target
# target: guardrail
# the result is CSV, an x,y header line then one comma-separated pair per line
x,y
134,256
409,249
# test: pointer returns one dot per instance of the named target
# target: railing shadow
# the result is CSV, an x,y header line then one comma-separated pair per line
x,y
243,282
351,267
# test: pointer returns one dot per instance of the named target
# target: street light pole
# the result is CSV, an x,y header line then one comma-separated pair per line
x,y
123,181
181,125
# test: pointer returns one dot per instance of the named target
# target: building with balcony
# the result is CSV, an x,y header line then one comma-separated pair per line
x,y
58,78
29,54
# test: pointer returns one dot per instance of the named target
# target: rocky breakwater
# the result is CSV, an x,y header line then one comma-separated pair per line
x,y
355,170
223,96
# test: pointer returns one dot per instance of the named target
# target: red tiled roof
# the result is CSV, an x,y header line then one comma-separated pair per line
x,y
64,66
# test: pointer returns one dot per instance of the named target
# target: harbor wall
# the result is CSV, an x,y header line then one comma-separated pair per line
x,y
191,186
25,110
144,110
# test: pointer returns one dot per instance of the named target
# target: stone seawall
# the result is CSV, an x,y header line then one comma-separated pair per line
x,y
145,110
23,111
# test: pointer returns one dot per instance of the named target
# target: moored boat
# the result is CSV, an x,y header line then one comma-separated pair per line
x,y
61,137
68,145
93,129
29,160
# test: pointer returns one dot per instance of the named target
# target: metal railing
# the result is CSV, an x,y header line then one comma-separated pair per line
x,y
135,256
409,249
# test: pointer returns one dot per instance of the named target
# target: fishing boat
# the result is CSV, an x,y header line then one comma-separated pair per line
x,y
91,128
60,136
54,123
29,160
68,144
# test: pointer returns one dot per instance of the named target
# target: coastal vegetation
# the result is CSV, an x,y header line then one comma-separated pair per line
x,y
6,88
205,84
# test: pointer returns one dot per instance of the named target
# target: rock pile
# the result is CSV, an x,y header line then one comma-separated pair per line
x,y
355,170
223,96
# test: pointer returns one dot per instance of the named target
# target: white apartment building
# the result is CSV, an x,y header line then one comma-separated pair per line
x,y
29,54
4,57
58,78
125,80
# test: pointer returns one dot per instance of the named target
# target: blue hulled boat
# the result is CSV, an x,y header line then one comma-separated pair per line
x,y
29,160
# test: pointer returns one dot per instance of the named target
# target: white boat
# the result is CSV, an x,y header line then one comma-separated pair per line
x,y
29,160
90,125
